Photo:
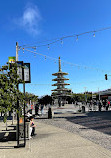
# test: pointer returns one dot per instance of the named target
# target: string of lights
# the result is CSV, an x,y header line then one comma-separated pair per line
x,y
53,41
64,62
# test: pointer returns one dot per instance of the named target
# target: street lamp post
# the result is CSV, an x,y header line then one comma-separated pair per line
x,y
99,94
85,95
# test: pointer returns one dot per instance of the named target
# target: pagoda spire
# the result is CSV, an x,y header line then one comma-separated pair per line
x,y
59,64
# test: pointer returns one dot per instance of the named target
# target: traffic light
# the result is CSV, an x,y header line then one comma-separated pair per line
x,y
106,78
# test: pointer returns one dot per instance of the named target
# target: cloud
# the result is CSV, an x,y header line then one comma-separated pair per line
x,y
30,19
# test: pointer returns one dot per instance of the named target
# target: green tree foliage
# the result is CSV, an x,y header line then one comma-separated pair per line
x,y
47,99
9,94
80,97
30,96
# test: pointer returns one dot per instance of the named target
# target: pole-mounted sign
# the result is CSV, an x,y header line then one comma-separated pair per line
x,y
27,77
23,71
20,71
11,59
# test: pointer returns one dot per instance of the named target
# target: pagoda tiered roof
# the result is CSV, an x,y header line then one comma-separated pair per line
x,y
62,95
62,73
56,84
62,78
60,89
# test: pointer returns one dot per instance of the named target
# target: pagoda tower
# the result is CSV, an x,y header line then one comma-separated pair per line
x,y
60,92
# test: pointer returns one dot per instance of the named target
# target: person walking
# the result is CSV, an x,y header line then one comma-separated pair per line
x,y
32,126
107,105
99,105
42,108
104,104
37,109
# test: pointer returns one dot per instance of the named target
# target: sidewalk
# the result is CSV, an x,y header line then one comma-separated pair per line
x,y
53,142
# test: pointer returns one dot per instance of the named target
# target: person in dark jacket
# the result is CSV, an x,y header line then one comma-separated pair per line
x,y
99,105
36,109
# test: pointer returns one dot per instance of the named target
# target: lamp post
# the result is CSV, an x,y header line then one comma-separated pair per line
x,y
16,51
99,94
85,95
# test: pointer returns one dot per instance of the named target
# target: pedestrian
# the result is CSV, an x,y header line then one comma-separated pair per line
x,y
32,126
90,106
99,105
36,109
103,103
42,108
107,105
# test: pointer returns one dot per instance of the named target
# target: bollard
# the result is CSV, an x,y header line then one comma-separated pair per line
x,y
50,113
83,109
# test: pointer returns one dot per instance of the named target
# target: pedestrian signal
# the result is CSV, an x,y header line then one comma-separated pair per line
x,y
106,78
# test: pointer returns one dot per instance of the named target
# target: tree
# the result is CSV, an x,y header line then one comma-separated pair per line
x,y
80,97
45,100
30,96
9,92
70,99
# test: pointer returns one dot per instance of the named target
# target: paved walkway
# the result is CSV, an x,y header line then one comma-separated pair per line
x,y
93,126
53,142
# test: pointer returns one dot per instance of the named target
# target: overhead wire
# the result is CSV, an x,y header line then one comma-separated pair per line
x,y
65,62
53,41
24,47
63,37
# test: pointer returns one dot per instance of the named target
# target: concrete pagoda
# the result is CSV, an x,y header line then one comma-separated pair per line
x,y
60,92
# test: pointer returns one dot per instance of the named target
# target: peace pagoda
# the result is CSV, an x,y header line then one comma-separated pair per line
x,y
60,93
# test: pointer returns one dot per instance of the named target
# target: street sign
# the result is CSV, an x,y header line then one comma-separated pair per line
x,y
27,77
11,59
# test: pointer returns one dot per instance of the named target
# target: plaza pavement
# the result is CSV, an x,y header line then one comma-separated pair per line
x,y
54,142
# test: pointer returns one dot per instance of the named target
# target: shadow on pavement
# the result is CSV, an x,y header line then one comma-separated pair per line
x,y
8,118
100,121
10,137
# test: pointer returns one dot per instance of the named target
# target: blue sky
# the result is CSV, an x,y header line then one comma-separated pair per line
x,y
32,21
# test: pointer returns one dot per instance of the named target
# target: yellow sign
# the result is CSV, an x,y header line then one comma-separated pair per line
x,y
11,59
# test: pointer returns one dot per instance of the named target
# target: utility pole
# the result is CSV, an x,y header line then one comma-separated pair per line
x,y
16,51
17,102
85,94
99,94
24,118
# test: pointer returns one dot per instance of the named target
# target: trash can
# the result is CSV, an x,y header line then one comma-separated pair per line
x,y
50,113
83,109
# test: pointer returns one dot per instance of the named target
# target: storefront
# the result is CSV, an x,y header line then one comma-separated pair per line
x,y
105,95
